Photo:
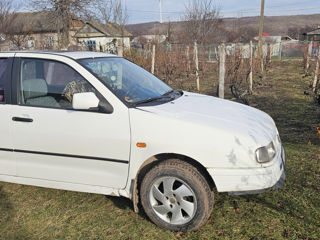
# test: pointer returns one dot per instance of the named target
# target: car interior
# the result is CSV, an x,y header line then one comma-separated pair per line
x,y
49,83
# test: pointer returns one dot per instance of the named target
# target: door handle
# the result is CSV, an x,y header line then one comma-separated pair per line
x,y
20,119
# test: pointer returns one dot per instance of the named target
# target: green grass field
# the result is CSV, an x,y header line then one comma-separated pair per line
x,y
290,213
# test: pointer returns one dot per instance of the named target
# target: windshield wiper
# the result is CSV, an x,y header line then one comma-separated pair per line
x,y
174,91
151,100
166,95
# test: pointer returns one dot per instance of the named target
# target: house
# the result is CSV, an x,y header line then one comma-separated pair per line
x,y
103,37
36,30
313,35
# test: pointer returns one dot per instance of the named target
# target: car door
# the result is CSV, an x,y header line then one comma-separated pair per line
x,y
54,142
7,163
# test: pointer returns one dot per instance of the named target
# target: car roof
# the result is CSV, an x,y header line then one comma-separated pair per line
x,y
71,54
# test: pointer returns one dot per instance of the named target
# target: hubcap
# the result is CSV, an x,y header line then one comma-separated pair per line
x,y
173,200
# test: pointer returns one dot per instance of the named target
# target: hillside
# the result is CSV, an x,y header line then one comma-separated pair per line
x,y
275,25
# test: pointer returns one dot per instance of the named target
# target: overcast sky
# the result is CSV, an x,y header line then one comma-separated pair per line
x,y
148,10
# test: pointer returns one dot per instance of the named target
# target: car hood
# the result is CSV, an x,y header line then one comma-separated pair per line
x,y
220,114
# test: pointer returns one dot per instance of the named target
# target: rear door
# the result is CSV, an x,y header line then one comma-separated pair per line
x,y
54,142
7,163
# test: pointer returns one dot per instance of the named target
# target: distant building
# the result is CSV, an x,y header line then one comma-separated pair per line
x,y
267,38
313,35
144,39
34,30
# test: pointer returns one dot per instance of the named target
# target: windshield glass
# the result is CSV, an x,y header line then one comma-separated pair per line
x,y
128,81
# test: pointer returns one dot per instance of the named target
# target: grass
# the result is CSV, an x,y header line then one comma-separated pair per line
x,y
290,213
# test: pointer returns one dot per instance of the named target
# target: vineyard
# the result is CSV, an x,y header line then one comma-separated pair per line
x,y
198,68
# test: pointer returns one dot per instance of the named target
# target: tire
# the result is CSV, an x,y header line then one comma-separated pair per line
x,y
176,196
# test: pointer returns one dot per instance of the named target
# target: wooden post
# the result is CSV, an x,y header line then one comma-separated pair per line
x,y
196,60
316,73
251,68
209,54
280,51
271,52
262,60
308,57
241,54
268,54
222,70
120,51
153,58
188,58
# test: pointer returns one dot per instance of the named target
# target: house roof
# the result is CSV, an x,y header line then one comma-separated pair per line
x,y
25,22
314,32
96,29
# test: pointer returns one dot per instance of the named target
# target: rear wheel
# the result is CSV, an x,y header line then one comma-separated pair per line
x,y
176,196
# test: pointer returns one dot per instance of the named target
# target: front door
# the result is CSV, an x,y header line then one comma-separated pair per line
x,y
54,142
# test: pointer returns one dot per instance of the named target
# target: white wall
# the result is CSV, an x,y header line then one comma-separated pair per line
x,y
105,41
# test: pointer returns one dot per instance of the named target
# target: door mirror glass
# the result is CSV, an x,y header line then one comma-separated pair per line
x,y
85,101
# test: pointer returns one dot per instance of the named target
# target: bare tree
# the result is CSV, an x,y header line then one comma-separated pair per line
x,y
6,10
105,11
18,41
120,18
120,13
62,12
113,11
201,19
9,26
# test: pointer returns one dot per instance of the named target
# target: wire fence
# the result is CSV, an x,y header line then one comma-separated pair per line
x,y
198,68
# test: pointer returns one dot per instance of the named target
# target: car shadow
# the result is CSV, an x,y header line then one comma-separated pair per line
x,y
120,202
125,203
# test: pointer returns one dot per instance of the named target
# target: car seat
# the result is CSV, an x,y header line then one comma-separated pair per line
x,y
35,92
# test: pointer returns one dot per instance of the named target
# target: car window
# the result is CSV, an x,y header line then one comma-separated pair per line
x,y
128,81
3,68
50,84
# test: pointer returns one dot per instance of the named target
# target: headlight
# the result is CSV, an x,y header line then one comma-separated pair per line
x,y
265,154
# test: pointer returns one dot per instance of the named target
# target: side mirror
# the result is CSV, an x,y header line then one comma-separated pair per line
x,y
85,101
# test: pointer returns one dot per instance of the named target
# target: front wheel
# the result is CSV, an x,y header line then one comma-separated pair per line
x,y
176,196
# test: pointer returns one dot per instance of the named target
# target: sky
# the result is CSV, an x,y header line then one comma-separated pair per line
x,y
148,10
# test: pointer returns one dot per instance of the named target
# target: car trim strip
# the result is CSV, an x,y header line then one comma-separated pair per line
x,y
6,150
64,155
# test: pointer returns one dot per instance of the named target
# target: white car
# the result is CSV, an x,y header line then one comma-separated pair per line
x,y
93,122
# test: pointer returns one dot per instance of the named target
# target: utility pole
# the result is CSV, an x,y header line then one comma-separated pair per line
x,y
160,10
260,50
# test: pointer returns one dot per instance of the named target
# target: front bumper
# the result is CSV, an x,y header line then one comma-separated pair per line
x,y
251,181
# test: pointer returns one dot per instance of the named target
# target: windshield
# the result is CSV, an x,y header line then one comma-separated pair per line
x,y
128,81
